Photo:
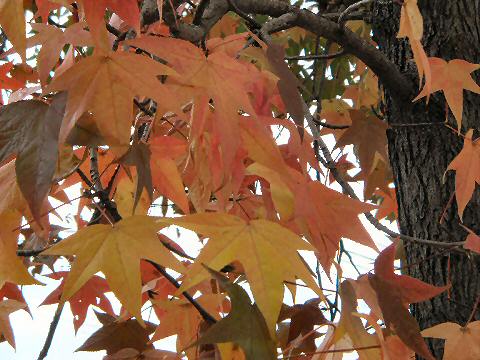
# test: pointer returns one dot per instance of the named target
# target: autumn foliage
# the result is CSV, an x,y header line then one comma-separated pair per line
x,y
230,138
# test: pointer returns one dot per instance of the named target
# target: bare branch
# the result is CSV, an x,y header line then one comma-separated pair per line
x,y
343,16
317,57
51,332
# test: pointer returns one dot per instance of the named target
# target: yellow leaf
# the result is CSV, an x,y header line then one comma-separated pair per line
x,y
116,251
282,197
11,266
259,245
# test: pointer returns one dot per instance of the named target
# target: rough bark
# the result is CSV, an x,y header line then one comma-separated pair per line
x,y
420,149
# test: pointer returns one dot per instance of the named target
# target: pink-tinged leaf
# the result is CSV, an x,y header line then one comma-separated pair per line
x,y
90,294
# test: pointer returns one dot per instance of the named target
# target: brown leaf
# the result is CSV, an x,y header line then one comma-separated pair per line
x,y
368,136
398,317
287,85
116,335
304,317
30,131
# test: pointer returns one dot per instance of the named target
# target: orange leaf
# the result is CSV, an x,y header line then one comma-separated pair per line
x,y
90,294
467,171
411,21
452,77
6,308
106,85
13,22
460,341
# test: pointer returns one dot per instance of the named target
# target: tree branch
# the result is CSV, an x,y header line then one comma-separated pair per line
x,y
400,86
318,56
51,332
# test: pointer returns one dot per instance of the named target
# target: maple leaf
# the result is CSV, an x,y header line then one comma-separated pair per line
x,y
44,7
287,85
411,21
125,198
116,335
95,15
11,291
220,77
116,251
244,325
452,78
149,354
394,293
53,40
364,94
106,84
12,21
353,327
380,176
412,290
368,136
11,267
259,245
335,112
7,82
423,65
30,131
388,205
319,212
6,308
303,317
458,339
90,294
181,318
12,198
467,171
342,165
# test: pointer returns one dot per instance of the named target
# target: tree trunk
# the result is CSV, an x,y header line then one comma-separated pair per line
x,y
420,149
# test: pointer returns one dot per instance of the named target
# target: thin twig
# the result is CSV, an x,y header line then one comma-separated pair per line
x,y
332,351
254,24
315,57
176,251
348,10
94,172
350,258
51,332
474,310
332,126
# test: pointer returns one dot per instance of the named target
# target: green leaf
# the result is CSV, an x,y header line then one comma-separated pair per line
x,y
244,325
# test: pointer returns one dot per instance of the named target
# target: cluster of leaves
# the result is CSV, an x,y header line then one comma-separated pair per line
x,y
140,119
